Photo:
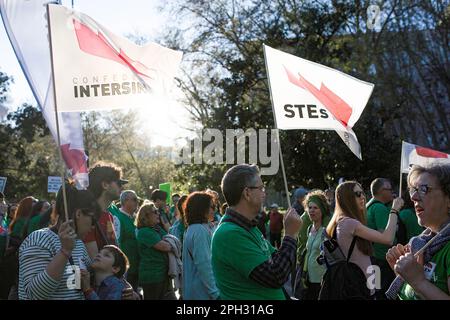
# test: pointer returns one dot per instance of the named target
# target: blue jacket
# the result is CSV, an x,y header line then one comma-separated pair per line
x,y
198,278
110,289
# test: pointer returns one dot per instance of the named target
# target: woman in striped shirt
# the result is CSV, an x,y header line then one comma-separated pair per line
x,y
50,259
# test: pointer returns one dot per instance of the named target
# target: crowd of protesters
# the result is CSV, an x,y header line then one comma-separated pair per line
x,y
108,243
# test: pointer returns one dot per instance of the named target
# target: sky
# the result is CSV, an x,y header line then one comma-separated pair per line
x,y
121,17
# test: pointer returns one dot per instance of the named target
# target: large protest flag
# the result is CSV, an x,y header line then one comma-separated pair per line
x,y
26,25
94,69
307,95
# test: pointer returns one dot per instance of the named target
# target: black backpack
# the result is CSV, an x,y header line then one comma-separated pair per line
x,y
343,280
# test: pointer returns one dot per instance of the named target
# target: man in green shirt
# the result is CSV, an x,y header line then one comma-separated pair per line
x,y
126,232
377,218
245,265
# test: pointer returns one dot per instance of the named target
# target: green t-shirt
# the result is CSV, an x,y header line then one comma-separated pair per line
x,y
153,264
33,224
409,218
127,239
235,253
377,219
439,277
18,228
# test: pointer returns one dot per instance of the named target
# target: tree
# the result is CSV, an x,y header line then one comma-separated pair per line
x,y
225,43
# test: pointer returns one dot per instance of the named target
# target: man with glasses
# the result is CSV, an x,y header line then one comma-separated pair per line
x,y
126,233
246,266
377,218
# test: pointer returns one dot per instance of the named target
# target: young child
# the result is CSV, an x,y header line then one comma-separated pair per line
x,y
109,266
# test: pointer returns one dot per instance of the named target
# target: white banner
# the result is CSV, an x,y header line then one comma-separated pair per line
x,y
413,154
2,184
95,69
53,184
307,95
26,25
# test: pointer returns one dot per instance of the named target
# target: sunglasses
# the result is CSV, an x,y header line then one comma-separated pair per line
x,y
359,194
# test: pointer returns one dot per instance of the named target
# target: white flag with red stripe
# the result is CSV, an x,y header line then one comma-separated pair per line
x,y
413,154
95,69
307,95
26,26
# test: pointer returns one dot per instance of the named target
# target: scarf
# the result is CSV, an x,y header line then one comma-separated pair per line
x,y
416,243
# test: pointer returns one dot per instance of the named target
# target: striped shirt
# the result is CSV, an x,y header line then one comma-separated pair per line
x,y
35,253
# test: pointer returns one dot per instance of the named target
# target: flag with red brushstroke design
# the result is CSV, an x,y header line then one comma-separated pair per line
x,y
414,154
95,69
307,95
26,25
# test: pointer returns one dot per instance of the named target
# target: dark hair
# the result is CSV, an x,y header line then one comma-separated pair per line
x,y
180,204
76,199
346,206
377,185
197,207
158,194
37,207
235,180
175,195
35,211
120,260
102,172
2,195
440,171
45,220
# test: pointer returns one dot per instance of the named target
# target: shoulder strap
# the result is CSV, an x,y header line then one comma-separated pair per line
x,y
352,245
350,250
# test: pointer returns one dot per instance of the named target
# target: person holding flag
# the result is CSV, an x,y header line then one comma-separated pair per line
x,y
264,270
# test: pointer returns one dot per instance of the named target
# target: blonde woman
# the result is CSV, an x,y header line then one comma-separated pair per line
x,y
154,263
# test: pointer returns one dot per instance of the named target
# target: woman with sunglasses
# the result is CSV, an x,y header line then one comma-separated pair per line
x,y
50,259
350,220
428,275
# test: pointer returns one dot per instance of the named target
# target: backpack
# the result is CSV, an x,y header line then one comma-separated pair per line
x,y
401,233
343,280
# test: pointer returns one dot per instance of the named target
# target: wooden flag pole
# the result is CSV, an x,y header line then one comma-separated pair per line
x,y
57,121
401,174
278,135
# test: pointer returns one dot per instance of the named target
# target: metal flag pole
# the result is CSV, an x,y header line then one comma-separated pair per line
x,y
278,135
57,119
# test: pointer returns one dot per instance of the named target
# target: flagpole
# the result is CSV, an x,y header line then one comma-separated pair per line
x,y
278,135
57,120
401,174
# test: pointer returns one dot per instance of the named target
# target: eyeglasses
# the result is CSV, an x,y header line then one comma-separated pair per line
x,y
262,188
423,189
359,194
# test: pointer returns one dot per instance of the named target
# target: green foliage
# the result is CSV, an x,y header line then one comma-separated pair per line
x,y
226,86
